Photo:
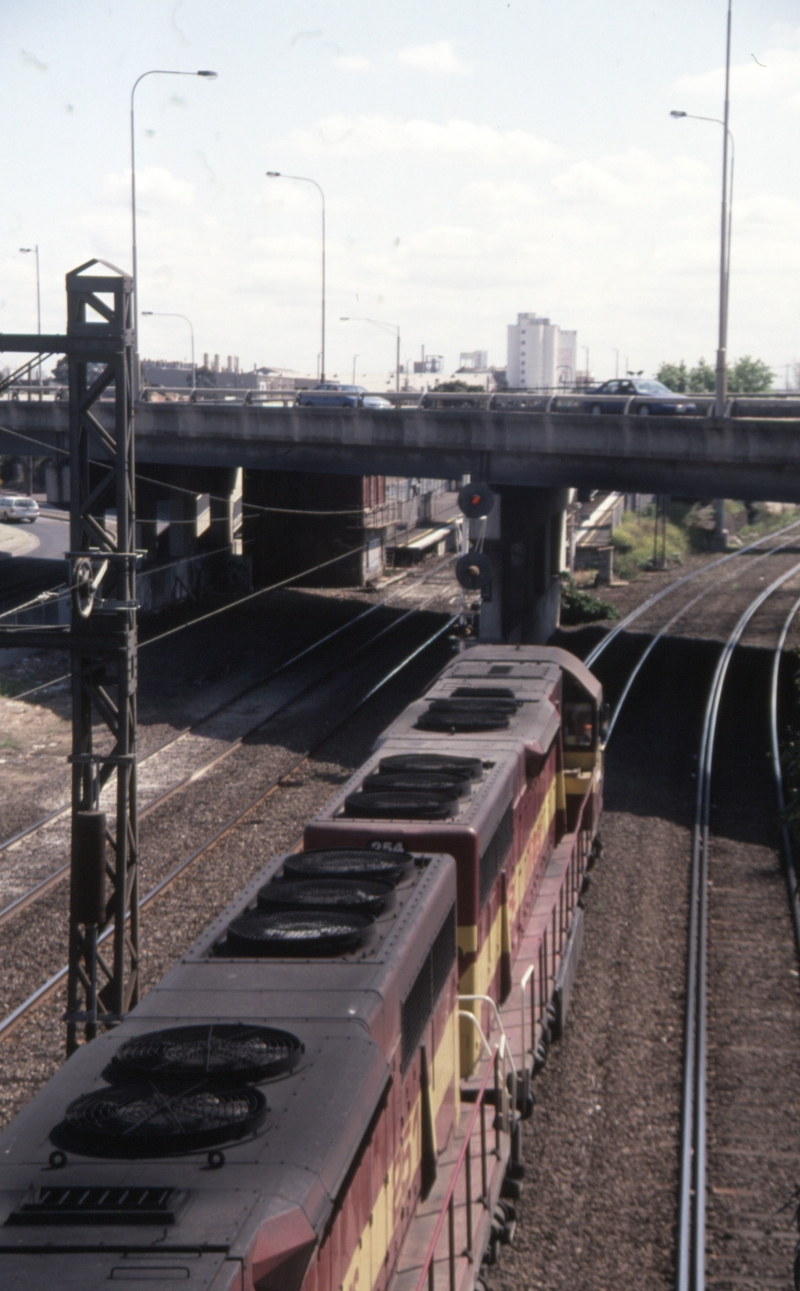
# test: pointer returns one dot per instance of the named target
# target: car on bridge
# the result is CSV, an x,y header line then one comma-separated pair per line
x,y
332,394
647,396
16,506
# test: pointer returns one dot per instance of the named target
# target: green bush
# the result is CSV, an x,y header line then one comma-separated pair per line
x,y
633,543
578,606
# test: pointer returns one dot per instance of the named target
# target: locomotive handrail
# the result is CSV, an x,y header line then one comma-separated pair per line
x,y
427,1274
504,1049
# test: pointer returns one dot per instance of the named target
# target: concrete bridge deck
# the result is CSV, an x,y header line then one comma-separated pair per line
x,y
744,457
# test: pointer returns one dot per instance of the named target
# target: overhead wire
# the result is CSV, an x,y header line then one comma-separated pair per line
x,y
262,591
194,493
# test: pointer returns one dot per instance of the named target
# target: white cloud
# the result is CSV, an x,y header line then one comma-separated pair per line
x,y
154,184
776,76
353,63
632,179
365,136
440,58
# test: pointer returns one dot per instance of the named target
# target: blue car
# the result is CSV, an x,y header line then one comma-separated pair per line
x,y
331,394
648,396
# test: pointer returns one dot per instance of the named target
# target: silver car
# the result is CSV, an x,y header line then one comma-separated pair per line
x,y
16,506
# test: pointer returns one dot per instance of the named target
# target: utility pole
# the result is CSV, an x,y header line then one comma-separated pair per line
x,y
102,637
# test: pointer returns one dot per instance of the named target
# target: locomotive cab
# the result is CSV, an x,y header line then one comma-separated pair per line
x,y
583,726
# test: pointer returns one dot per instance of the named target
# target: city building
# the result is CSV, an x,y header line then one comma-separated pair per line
x,y
541,356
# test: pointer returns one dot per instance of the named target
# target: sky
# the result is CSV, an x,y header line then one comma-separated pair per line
x,y
479,158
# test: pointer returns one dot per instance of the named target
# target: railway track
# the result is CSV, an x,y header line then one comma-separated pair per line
x,y
604,1169
734,1117
26,1006
11,1022
186,757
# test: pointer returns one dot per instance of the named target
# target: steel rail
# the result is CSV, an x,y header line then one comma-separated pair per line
x,y
692,1188
40,889
662,632
603,644
12,1019
790,865
228,703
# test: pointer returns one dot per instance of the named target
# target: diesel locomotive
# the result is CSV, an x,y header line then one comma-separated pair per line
x,y
341,1062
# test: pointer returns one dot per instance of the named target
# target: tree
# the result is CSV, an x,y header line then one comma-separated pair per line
x,y
675,376
206,377
456,387
749,376
702,378
746,376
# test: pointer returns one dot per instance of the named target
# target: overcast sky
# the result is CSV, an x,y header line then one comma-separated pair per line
x,y
479,158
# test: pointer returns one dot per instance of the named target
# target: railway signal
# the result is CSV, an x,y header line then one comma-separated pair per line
x,y
476,501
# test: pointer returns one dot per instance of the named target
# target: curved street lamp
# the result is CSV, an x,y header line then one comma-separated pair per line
x,y
388,327
35,251
304,179
158,313
721,385
154,71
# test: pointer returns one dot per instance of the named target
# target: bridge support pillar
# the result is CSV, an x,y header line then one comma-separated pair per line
x,y
525,542
312,524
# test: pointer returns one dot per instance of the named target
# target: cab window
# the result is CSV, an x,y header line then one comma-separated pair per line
x,y
578,725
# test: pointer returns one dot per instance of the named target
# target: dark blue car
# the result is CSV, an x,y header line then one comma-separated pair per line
x,y
648,397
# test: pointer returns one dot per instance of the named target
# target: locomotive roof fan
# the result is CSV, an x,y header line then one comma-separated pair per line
x,y
224,1053
436,762
451,785
350,896
409,804
346,863
283,934
147,1121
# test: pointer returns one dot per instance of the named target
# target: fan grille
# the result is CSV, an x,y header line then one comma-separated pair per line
x,y
144,1121
224,1052
483,692
348,895
384,867
401,806
466,722
435,762
291,933
453,785
472,705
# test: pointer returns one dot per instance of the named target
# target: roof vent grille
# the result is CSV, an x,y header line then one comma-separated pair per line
x,y
95,1205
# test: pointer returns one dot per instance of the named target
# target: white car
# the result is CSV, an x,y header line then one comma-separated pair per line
x,y
16,506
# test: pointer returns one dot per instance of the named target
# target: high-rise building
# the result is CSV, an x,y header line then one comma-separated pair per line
x,y
540,354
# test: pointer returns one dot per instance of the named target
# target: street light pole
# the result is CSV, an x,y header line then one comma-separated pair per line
x,y
158,313
389,327
721,379
35,251
304,179
154,71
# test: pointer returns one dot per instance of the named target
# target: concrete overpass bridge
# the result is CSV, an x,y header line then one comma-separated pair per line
x,y
752,455
531,451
